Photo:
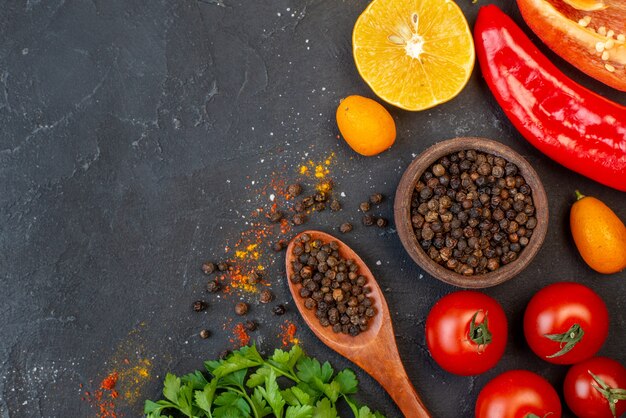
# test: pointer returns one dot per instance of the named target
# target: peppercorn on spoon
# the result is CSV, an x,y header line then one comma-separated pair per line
x,y
375,349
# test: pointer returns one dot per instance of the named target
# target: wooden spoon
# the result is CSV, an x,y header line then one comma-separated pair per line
x,y
375,349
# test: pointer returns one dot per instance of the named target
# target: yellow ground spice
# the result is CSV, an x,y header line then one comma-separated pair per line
x,y
249,252
133,378
319,169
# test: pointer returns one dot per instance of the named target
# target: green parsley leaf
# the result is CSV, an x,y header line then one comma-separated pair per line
x,y
314,393
327,372
156,407
185,404
331,390
171,387
302,411
204,398
309,369
259,403
289,397
258,377
347,381
235,379
231,404
196,379
212,365
251,353
352,405
228,412
296,396
295,354
280,357
280,360
234,363
271,392
365,412
324,409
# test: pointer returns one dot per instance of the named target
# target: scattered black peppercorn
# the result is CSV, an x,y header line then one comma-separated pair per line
x,y
368,220
208,268
266,296
280,245
275,216
241,308
376,198
298,219
364,206
250,326
345,227
294,189
223,354
381,222
213,286
204,334
222,266
279,310
335,205
199,306
472,212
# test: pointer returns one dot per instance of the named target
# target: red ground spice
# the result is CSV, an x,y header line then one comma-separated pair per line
x,y
288,334
103,398
241,337
110,381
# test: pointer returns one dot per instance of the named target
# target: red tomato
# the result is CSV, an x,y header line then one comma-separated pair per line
x,y
585,400
518,394
466,332
565,323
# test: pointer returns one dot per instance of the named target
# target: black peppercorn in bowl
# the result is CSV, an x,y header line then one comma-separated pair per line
x,y
471,212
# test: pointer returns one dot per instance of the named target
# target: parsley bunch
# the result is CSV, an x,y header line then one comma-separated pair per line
x,y
246,385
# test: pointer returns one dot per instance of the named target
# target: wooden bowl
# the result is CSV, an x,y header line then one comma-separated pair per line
x,y
402,212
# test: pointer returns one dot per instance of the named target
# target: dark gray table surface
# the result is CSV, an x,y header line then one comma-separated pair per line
x,y
136,137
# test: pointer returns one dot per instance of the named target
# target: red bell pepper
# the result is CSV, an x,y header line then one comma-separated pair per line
x,y
569,123
582,37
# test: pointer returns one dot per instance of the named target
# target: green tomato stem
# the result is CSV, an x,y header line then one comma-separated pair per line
x,y
480,334
612,395
567,340
579,195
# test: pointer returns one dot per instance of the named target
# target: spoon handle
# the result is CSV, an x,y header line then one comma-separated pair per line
x,y
407,399
393,378
390,373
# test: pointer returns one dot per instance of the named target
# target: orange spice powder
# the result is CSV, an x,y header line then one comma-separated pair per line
x,y
241,337
103,397
288,334
317,169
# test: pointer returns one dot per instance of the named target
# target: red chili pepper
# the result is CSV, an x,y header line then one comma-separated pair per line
x,y
569,123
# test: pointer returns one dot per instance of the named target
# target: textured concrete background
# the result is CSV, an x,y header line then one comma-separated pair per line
x,y
136,136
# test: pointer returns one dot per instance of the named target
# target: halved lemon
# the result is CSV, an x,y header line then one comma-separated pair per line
x,y
414,54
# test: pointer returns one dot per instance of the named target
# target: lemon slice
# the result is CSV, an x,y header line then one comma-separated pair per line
x,y
414,54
